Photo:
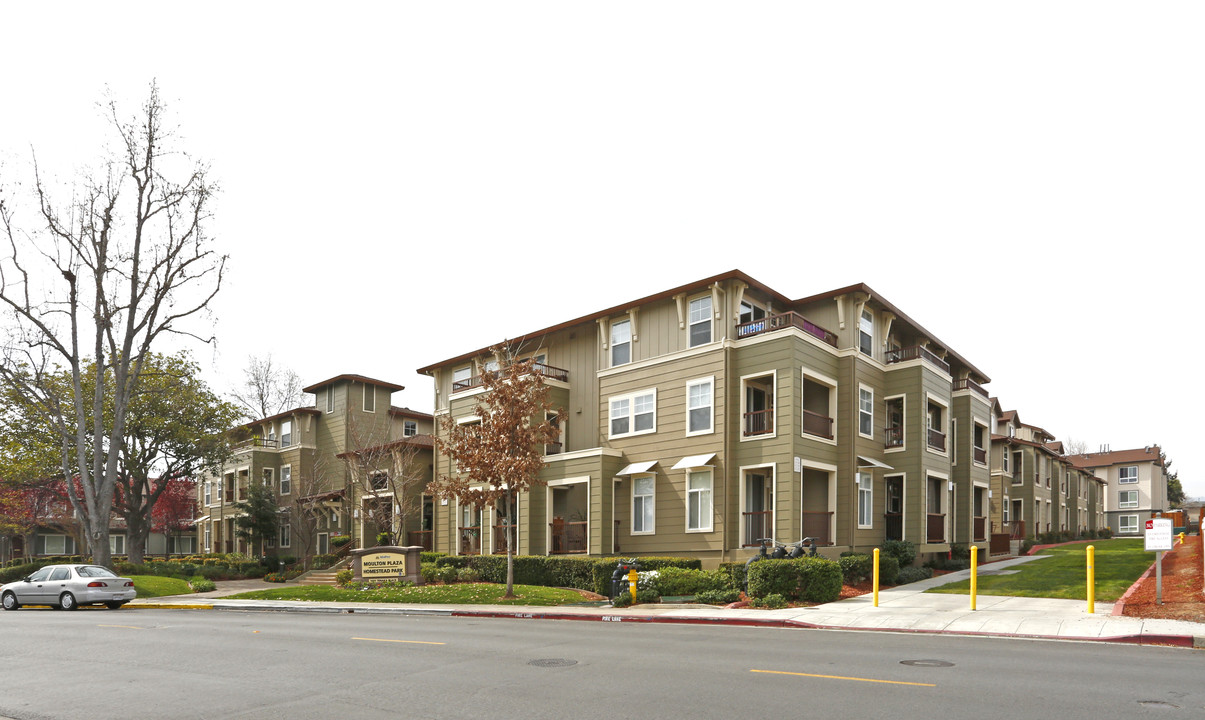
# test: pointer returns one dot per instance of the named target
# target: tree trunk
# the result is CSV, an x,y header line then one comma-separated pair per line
x,y
510,550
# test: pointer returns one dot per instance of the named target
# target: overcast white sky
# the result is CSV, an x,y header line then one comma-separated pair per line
x,y
403,182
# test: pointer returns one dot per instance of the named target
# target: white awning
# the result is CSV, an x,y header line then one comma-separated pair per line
x,y
694,461
637,468
201,519
865,462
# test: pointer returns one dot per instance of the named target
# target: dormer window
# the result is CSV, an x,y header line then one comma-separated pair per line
x,y
866,326
700,321
621,342
330,399
409,428
370,399
286,433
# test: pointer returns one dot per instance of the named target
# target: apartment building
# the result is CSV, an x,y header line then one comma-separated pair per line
x,y
1134,484
1040,490
703,418
296,454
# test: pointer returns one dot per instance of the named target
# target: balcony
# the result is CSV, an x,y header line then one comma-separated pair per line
x,y
915,352
894,526
255,442
817,424
981,456
980,529
756,526
548,371
568,538
759,422
937,440
785,320
421,538
817,525
893,437
935,527
969,384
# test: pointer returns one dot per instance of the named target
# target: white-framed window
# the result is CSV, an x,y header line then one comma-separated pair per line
x,y
700,321
750,312
268,476
644,504
330,399
699,404
55,545
633,414
819,405
286,480
409,428
1127,523
621,342
865,411
866,333
1127,474
117,544
370,399
698,500
207,493
208,536
1004,508
1127,499
461,377
286,433
286,534
1004,456
865,500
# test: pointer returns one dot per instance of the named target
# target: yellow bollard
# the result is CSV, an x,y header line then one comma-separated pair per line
x,y
633,576
1181,538
1091,579
974,573
876,577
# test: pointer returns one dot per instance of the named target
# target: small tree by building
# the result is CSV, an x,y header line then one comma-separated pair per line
x,y
386,482
260,518
502,455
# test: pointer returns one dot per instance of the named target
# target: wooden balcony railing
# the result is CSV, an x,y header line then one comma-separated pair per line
x,y
423,538
553,449
935,527
981,456
937,440
893,437
817,424
500,533
914,352
756,525
568,538
785,320
255,442
969,384
818,525
999,544
1017,530
759,422
548,371
980,529
470,540
894,526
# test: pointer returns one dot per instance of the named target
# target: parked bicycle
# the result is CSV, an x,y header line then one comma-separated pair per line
x,y
782,551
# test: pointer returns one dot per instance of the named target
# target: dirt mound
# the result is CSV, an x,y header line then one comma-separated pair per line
x,y
1182,590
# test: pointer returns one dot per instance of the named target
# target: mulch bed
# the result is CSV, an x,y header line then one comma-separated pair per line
x,y
1182,587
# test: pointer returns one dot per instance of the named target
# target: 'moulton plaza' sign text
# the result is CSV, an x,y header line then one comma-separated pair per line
x,y
387,563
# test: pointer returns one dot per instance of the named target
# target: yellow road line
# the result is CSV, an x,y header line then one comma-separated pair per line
x,y
839,677
410,642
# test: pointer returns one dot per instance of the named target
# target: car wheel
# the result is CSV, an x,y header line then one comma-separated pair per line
x,y
10,601
67,601
114,605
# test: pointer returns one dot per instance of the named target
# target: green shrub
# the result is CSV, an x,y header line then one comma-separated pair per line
x,y
913,574
903,551
429,572
624,599
603,568
17,572
1104,533
718,597
344,576
275,577
857,568
200,584
769,602
447,574
809,579
339,541
468,575
733,575
430,557
889,569
322,562
684,581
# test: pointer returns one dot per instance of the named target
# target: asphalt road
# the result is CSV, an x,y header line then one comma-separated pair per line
x,y
219,664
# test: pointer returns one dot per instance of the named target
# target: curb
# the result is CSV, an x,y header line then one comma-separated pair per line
x,y
1120,606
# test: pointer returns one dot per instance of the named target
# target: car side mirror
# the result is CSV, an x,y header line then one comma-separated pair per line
x,y
26,578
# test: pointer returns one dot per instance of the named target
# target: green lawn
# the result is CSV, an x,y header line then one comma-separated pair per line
x,y
1119,562
457,594
149,586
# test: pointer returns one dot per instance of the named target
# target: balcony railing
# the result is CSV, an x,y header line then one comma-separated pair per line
x,y
568,538
256,442
893,436
914,352
817,424
757,525
936,527
969,384
818,525
785,320
422,538
470,540
980,529
937,440
548,371
759,422
895,526
553,449
1017,530
500,533
981,456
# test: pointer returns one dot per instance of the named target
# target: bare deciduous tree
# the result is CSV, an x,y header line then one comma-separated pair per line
x,y
502,455
387,480
268,389
102,276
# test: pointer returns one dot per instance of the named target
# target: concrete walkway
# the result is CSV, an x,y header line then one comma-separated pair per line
x,y
905,608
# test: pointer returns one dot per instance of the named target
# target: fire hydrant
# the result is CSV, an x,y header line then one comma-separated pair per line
x,y
633,576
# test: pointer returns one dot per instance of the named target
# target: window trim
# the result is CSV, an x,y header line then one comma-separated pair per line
x,y
945,430
651,502
815,378
867,317
330,399
286,487
709,492
866,491
690,324
1127,504
865,388
1121,523
1122,480
408,426
773,375
611,345
631,416
710,382
370,391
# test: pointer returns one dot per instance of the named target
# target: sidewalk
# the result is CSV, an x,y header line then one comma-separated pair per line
x,y
906,608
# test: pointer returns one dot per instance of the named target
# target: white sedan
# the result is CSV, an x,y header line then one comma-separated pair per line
x,y
68,587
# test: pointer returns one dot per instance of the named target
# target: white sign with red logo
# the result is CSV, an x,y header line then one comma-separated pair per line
x,y
1158,534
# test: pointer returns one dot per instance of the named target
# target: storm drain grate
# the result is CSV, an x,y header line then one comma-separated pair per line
x,y
927,663
552,662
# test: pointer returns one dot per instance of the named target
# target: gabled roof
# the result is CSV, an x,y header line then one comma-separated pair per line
x,y
407,412
295,411
1151,454
391,387
417,441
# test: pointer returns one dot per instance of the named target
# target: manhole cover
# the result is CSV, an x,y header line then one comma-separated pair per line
x,y
1158,705
552,662
927,663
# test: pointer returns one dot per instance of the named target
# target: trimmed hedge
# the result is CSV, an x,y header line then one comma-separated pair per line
x,y
581,573
809,579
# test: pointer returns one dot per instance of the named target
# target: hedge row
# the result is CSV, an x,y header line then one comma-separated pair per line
x,y
582,573
809,579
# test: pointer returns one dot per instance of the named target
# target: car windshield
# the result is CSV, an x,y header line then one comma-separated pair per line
x,y
94,571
